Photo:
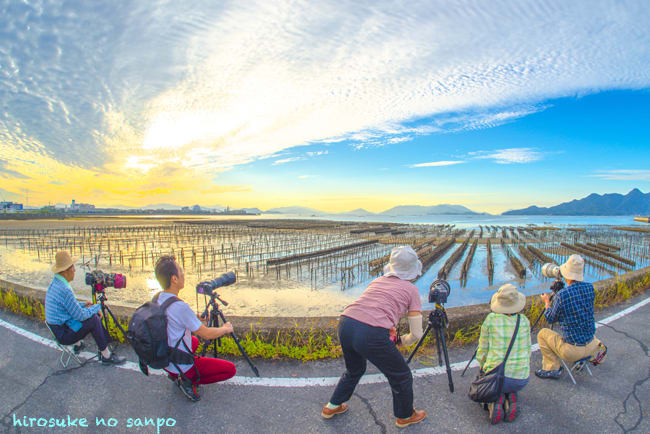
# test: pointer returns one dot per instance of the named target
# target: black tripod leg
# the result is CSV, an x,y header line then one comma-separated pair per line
x,y
417,347
441,335
470,362
437,333
241,349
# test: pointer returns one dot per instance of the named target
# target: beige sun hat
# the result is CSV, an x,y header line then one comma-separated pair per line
x,y
63,261
507,300
404,263
573,268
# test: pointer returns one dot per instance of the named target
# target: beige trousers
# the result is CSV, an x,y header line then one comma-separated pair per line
x,y
553,348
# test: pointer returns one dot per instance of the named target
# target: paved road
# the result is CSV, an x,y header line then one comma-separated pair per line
x,y
32,385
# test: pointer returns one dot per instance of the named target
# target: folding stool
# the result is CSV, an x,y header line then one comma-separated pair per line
x,y
67,351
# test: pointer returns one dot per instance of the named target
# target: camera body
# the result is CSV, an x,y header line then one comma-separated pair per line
x,y
439,291
100,280
208,286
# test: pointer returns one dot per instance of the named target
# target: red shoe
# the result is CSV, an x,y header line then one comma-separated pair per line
x,y
496,410
417,416
510,407
329,413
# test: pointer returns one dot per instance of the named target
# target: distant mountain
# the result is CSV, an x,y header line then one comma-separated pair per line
x,y
418,210
252,210
359,212
160,206
298,210
633,203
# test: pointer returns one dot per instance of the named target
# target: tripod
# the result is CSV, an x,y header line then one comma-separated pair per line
x,y
102,298
213,321
437,321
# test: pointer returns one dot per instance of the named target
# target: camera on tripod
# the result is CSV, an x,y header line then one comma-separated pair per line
x,y
213,313
100,280
553,271
439,291
208,286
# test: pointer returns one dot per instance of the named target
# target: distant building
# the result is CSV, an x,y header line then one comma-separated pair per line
x,y
196,208
81,207
11,207
185,209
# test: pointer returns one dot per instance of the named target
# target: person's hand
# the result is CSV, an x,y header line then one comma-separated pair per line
x,y
546,297
227,327
88,304
392,334
99,314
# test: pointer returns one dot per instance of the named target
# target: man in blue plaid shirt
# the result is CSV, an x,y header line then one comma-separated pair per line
x,y
70,320
573,308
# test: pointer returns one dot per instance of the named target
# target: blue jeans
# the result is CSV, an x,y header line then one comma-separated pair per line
x,y
511,385
361,342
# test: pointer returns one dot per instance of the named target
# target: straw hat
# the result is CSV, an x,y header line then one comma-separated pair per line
x,y
63,261
573,268
507,300
404,263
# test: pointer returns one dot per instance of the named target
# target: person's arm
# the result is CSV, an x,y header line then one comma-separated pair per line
x,y
74,309
552,308
415,328
483,343
209,333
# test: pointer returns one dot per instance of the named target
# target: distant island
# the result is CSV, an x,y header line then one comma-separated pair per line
x,y
397,211
613,204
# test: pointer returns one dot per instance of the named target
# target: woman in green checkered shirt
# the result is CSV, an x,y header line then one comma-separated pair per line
x,y
496,332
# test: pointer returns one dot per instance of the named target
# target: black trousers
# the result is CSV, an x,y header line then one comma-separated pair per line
x,y
66,336
361,342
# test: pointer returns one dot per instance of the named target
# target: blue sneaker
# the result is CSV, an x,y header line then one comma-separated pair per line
x,y
554,374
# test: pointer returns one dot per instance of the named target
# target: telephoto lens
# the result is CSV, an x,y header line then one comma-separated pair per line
x,y
551,270
208,286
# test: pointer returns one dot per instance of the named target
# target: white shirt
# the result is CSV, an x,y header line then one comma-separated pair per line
x,y
181,322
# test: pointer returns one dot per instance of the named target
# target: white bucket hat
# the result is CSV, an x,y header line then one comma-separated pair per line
x,y
404,263
507,300
63,261
573,268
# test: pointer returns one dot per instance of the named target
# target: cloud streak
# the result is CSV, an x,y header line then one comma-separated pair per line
x,y
437,164
509,155
624,175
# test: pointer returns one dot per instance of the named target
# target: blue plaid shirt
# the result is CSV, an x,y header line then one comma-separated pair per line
x,y
61,307
573,308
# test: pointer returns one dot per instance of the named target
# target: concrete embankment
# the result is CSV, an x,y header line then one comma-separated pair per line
x,y
30,301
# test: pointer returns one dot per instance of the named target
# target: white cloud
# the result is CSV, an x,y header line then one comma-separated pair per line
x,y
437,164
624,175
287,160
305,176
509,155
246,80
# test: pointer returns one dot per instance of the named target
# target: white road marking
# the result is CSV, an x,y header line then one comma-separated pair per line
x,y
307,381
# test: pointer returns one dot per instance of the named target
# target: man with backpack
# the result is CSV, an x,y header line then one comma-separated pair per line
x,y
181,323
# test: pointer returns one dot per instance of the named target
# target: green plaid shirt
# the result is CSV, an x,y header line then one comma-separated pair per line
x,y
496,332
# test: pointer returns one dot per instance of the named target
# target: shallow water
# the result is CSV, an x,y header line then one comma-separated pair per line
x,y
268,296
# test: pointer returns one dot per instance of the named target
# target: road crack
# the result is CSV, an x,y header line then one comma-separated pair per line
x,y
5,419
632,395
372,413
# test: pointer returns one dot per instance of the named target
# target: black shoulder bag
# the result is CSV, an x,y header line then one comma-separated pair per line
x,y
487,386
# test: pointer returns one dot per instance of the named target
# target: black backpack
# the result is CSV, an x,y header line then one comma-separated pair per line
x,y
148,336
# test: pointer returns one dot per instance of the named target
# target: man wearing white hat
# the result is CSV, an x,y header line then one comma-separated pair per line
x,y
573,308
365,330
70,320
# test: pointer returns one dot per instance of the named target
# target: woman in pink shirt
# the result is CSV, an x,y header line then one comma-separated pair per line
x,y
365,330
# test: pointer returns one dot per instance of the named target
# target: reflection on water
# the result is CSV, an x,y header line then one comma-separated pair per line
x,y
288,291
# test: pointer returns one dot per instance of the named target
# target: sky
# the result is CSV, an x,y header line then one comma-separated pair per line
x,y
333,105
